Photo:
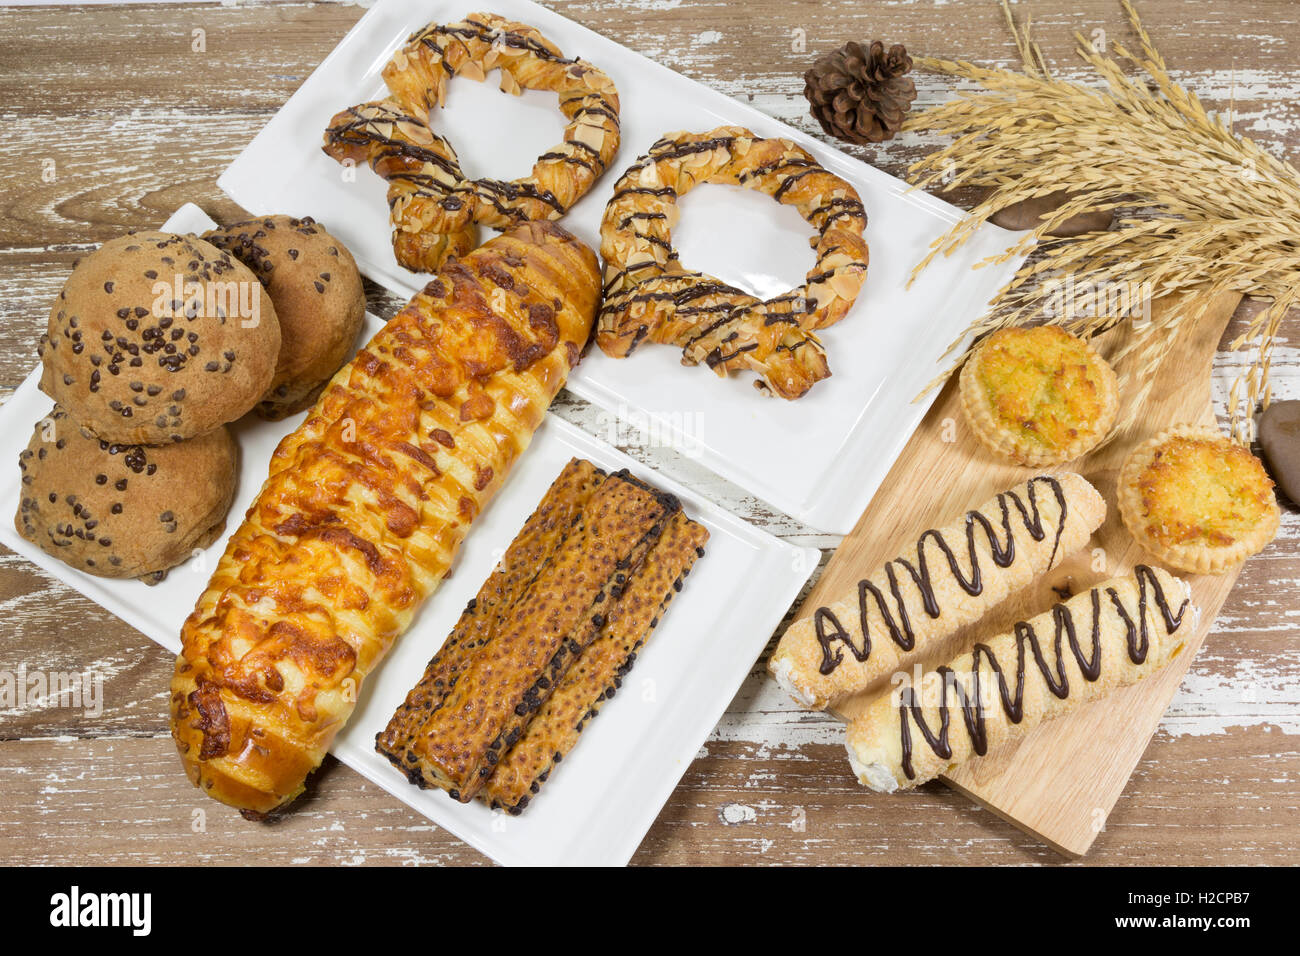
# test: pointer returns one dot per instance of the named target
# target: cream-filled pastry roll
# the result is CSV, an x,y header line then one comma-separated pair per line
x,y
1101,639
951,577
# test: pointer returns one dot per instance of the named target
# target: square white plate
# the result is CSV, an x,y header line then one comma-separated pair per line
x,y
597,807
820,458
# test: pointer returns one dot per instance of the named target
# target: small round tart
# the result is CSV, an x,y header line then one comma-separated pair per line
x,y
1197,500
1038,396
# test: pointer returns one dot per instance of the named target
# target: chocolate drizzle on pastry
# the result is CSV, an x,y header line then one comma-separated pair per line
x,y
829,629
1137,640
471,29
434,208
726,329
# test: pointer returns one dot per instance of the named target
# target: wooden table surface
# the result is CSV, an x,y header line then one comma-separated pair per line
x,y
115,120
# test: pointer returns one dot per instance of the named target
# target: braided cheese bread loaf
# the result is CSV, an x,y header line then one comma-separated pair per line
x,y
365,507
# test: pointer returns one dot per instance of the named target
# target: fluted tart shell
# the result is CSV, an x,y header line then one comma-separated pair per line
x,y
1197,500
1038,396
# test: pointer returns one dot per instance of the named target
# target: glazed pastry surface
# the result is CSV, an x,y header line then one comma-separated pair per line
x,y
364,509
950,577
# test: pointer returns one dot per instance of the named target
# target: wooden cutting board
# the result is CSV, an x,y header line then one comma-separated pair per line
x,y
1060,781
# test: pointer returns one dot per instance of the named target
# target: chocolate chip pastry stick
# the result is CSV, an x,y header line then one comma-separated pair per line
x,y
1114,634
598,672
510,677
951,577
537,541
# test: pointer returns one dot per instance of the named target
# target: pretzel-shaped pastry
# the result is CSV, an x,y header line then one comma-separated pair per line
x,y
429,196
422,172
650,296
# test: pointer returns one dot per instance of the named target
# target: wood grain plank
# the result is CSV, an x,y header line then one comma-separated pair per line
x,y
122,801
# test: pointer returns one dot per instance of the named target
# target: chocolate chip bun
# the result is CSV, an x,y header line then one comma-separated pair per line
x,y
123,511
156,338
318,297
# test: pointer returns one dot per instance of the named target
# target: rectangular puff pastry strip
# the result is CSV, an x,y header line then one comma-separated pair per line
x,y
365,507
1101,639
509,678
598,672
482,619
948,578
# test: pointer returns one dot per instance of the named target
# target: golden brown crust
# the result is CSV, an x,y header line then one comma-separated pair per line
x,y
597,674
650,296
1112,635
123,511
888,619
434,208
485,615
499,690
1039,396
1197,500
421,169
365,506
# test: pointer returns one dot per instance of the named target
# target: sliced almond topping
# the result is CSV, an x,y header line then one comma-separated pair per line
x,y
846,285
417,133
592,136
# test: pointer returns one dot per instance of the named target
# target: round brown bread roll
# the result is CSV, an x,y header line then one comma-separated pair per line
x,y
156,338
123,511
319,300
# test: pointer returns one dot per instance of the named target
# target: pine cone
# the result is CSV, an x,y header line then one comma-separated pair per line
x,y
860,94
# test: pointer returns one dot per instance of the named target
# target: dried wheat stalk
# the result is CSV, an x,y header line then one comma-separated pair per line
x,y
1219,213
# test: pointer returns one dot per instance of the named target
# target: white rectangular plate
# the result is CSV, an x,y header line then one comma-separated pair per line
x,y
820,458
597,807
